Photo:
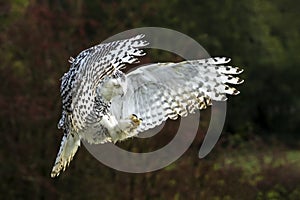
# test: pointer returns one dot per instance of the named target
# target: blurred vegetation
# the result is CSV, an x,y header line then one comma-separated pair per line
x,y
258,154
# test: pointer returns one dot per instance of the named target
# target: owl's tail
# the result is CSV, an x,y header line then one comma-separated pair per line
x,y
68,148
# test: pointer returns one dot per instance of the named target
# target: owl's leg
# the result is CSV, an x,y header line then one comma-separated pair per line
x,y
122,129
128,126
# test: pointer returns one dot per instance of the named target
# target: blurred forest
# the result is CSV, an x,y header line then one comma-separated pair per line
x,y
258,155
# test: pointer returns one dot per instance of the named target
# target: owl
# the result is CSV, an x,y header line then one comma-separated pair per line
x,y
102,104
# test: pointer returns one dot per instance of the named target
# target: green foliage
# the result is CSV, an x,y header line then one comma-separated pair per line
x,y
262,36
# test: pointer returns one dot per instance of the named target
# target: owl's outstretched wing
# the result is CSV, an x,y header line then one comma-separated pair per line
x,y
92,66
160,91
78,92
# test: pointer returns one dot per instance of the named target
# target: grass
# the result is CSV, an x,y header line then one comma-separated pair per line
x,y
254,170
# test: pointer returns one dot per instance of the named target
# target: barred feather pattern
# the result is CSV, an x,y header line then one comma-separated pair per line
x,y
101,104
160,91
89,68
78,92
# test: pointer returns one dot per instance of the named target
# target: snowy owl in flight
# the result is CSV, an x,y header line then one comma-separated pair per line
x,y
102,104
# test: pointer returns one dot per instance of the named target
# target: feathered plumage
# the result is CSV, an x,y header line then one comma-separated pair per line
x,y
102,104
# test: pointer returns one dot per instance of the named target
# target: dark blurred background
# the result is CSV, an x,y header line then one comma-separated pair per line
x,y
258,155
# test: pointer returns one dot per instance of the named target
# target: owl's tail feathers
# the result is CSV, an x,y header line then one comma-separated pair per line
x,y
68,148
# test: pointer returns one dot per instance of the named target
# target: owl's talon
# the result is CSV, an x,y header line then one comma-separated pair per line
x,y
136,121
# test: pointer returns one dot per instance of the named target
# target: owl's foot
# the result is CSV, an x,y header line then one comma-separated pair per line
x,y
135,121
130,123
126,128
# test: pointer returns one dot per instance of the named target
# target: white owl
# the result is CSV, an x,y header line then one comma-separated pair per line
x,y
102,104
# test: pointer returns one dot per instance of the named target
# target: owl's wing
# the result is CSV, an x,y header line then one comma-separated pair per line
x,y
91,67
160,91
78,85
